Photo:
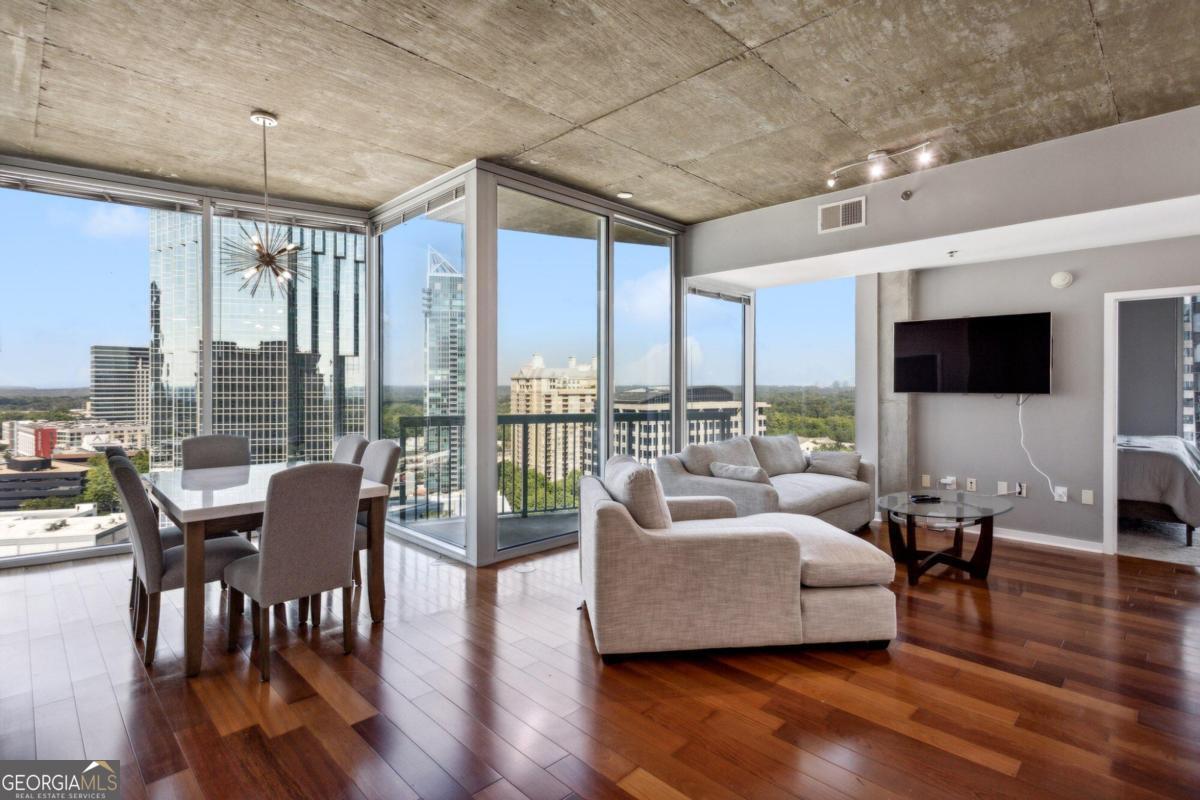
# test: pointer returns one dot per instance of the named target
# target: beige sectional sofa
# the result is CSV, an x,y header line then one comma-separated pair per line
x,y
686,573
792,483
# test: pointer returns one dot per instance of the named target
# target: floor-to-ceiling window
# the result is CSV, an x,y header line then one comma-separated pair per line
x,y
423,391
547,348
641,335
804,364
288,356
715,358
92,290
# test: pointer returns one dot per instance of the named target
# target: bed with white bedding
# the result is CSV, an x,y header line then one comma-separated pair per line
x,y
1159,479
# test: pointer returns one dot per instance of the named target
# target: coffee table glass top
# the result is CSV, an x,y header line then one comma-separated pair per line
x,y
950,505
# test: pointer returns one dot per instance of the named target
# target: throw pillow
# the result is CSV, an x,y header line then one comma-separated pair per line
x,y
843,465
636,487
779,455
738,473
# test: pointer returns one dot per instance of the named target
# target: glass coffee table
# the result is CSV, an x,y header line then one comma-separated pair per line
x,y
960,508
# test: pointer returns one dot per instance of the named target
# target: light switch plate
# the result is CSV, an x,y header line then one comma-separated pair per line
x,y
1022,489
924,481
1087,497
1061,494
1001,487
972,486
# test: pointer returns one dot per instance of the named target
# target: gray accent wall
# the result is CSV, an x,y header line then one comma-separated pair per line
x,y
977,436
1150,357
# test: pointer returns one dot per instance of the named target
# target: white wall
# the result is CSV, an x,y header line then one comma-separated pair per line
x,y
976,436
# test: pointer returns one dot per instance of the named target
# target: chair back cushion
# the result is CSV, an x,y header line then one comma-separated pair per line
x,y
141,520
698,458
307,541
779,455
217,450
733,472
349,448
636,487
843,465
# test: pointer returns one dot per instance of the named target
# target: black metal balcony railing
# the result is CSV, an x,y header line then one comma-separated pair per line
x,y
540,457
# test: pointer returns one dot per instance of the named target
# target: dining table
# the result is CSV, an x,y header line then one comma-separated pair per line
x,y
202,502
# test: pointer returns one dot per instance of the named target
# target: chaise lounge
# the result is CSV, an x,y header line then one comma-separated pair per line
x,y
686,573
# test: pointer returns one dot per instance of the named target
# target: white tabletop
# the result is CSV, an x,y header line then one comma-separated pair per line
x,y
194,495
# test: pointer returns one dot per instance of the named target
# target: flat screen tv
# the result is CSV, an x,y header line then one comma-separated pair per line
x,y
1008,354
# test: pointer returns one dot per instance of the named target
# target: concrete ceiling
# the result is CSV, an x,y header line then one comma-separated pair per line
x,y
702,108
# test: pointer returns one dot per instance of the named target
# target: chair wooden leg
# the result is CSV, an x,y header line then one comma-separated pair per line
x,y
255,618
357,570
235,618
152,628
133,586
347,620
139,620
315,609
264,644
303,610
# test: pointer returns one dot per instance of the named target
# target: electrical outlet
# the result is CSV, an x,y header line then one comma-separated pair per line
x,y
924,481
1022,489
1001,487
972,486
1061,494
1087,497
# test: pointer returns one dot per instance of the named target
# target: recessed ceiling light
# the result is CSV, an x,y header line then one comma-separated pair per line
x,y
624,195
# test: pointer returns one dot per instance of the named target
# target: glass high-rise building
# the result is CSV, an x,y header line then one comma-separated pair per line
x,y
445,369
120,383
288,369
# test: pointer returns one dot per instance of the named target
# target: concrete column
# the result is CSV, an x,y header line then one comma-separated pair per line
x,y
897,451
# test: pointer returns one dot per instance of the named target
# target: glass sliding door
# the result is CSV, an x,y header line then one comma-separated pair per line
x,y
641,335
715,368
423,391
547,344
289,358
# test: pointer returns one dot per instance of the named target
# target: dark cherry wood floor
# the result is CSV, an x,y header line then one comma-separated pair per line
x,y
1066,675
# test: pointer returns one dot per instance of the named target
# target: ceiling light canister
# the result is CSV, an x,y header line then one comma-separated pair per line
x,y
624,195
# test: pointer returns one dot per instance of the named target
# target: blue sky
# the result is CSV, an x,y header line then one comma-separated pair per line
x,y
75,274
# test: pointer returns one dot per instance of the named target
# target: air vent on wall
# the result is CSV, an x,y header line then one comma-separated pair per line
x,y
838,216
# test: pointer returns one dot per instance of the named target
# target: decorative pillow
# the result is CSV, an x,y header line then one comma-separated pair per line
x,y
843,465
636,487
779,455
698,458
750,474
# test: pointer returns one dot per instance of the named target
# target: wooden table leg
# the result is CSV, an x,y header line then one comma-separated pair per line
x,y
375,522
912,557
193,596
981,559
899,552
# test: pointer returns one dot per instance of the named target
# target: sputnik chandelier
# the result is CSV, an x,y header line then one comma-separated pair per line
x,y
264,254
878,160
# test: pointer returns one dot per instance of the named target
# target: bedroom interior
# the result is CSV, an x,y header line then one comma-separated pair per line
x,y
600,399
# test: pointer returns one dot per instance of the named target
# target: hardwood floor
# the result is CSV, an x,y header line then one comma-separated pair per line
x,y
1067,675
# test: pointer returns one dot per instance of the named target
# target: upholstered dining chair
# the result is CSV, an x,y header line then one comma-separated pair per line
x,y
305,548
159,558
379,463
349,448
215,450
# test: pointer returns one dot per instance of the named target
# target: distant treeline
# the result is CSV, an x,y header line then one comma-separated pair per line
x,y
810,411
51,404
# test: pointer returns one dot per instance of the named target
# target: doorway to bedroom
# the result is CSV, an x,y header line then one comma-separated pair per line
x,y
1152,464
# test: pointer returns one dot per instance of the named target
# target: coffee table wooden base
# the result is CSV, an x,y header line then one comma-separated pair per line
x,y
919,561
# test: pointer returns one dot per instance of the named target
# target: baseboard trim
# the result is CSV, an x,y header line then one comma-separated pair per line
x,y
1033,537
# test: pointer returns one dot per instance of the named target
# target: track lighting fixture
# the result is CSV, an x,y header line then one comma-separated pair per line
x,y
877,160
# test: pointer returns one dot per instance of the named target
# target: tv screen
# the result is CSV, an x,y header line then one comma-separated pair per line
x,y
1008,354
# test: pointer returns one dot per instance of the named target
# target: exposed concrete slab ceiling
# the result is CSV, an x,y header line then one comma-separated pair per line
x,y
702,108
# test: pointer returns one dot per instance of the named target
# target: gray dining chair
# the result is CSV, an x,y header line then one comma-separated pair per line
x,y
305,548
215,450
349,448
379,464
159,561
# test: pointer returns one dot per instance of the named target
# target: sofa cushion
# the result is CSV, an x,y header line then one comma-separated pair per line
x,y
844,465
828,556
813,493
779,455
698,458
751,474
636,487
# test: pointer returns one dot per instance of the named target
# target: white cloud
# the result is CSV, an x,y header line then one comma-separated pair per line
x,y
645,299
652,368
110,221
